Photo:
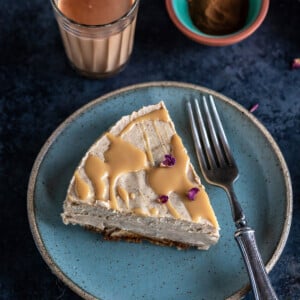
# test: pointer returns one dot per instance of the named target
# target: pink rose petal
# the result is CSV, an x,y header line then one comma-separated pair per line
x,y
163,199
296,63
169,161
254,108
192,193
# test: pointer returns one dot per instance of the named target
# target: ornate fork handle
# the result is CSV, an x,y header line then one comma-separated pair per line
x,y
260,282
219,168
245,238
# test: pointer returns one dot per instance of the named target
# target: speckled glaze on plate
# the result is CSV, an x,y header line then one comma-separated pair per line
x,y
98,269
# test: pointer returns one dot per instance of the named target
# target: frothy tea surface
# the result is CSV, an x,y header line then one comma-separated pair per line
x,y
94,12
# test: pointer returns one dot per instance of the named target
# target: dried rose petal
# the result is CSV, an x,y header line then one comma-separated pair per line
x,y
169,161
163,199
192,193
254,107
296,63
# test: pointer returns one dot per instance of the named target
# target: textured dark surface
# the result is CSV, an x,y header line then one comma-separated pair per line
x,y
39,90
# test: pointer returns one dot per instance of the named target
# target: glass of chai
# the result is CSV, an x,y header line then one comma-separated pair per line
x,y
97,35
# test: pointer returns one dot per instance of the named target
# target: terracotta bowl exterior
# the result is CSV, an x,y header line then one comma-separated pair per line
x,y
178,12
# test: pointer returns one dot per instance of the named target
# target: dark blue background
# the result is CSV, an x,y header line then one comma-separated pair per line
x,y
39,90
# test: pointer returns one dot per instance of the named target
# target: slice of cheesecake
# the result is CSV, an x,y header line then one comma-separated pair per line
x,y
136,182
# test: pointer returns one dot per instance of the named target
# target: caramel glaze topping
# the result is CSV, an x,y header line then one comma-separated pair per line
x,y
123,195
81,187
96,170
172,210
139,211
132,195
153,211
174,179
123,157
160,114
147,145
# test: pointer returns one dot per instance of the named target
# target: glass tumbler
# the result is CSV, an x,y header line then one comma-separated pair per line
x,y
98,51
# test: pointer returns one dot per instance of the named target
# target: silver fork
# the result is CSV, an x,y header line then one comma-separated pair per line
x,y
219,168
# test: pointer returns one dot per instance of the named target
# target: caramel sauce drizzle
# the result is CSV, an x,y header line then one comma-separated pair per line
x,y
123,157
81,187
123,195
164,181
132,196
153,211
159,115
172,210
96,170
160,138
139,211
147,145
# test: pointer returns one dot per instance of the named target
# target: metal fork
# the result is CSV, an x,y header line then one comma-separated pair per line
x,y
219,168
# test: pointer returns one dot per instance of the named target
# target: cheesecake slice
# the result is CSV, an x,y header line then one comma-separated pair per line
x,y
136,183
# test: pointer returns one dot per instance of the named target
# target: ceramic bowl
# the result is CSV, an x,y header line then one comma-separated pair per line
x,y
179,14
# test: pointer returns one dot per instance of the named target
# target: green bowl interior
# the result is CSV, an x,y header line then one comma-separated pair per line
x,y
182,12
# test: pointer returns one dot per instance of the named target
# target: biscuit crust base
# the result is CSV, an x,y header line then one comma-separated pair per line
x,y
113,235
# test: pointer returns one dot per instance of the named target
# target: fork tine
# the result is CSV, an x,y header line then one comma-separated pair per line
x,y
196,139
221,132
204,136
213,134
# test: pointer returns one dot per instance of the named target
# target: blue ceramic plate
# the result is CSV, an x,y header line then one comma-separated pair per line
x,y
95,268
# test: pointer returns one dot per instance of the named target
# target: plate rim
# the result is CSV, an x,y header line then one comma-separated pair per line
x,y
55,134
